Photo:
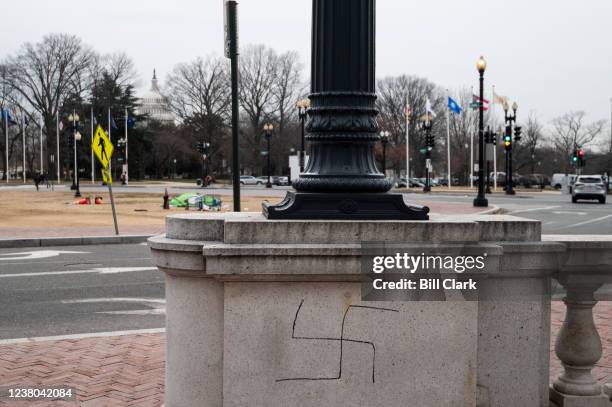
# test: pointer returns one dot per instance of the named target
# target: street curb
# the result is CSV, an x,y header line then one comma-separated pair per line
x,y
494,210
72,241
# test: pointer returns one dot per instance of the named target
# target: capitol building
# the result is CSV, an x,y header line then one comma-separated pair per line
x,y
155,105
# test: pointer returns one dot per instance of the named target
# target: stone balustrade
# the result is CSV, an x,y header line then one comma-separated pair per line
x,y
269,313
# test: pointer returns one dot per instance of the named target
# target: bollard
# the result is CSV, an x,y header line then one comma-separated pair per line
x,y
166,200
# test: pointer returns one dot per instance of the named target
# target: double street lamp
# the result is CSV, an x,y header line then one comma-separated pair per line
x,y
302,106
384,138
481,200
508,141
268,133
74,118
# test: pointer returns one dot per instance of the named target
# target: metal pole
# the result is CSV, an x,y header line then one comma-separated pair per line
x,y
57,158
448,154
110,169
23,129
495,165
93,162
110,194
127,171
268,137
42,164
480,200
5,121
407,112
232,19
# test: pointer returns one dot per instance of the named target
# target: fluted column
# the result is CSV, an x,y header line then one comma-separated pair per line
x,y
342,128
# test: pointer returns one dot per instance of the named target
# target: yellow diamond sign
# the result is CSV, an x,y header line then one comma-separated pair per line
x,y
102,147
107,177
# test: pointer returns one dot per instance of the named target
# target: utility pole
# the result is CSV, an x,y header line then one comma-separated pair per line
x,y
231,52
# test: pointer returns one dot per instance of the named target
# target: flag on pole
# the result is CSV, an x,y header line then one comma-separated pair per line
x,y
429,109
61,125
113,124
130,121
454,106
499,100
476,102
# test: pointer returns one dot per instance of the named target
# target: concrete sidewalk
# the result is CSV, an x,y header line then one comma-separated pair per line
x,y
118,371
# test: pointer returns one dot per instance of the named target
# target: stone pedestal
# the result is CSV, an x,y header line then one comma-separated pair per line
x,y
269,313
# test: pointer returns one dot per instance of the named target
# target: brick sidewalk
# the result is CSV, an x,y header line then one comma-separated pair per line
x,y
129,370
106,372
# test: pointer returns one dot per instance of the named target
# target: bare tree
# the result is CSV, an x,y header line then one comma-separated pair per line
x,y
288,88
393,95
571,131
200,96
45,73
533,135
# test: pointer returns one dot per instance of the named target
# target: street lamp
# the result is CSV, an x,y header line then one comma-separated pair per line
x,y
174,161
268,132
429,145
510,119
481,200
384,138
302,106
74,118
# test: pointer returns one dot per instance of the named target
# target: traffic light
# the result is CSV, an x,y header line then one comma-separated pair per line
x,y
581,161
518,130
508,138
200,147
575,158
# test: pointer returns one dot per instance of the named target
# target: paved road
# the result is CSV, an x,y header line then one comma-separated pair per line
x,y
47,292
557,212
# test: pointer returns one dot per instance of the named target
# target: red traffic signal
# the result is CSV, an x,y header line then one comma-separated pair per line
x,y
581,153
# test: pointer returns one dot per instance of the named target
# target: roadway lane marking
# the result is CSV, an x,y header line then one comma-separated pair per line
x,y
41,254
588,222
157,305
83,336
546,208
115,299
101,270
570,213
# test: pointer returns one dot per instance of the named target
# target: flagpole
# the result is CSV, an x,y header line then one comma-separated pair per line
x,y
93,163
126,148
5,120
407,114
42,163
24,145
472,152
57,159
448,158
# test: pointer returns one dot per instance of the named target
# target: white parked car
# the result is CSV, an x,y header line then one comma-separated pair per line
x,y
250,180
589,187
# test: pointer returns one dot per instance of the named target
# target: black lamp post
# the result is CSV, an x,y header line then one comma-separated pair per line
x,y
384,138
341,180
481,200
74,118
268,133
510,119
302,106
429,144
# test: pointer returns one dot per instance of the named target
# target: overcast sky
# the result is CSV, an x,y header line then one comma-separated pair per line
x,y
551,56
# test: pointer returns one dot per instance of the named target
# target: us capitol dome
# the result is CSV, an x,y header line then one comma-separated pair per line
x,y
155,105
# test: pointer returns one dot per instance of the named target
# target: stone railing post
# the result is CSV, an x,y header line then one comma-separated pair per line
x,y
578,346
586,268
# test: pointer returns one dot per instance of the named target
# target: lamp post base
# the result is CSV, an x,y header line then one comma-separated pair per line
x,y
510,192
344,206
481,202
268,185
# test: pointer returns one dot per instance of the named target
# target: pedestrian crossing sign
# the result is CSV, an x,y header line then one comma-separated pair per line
x,y
102,147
